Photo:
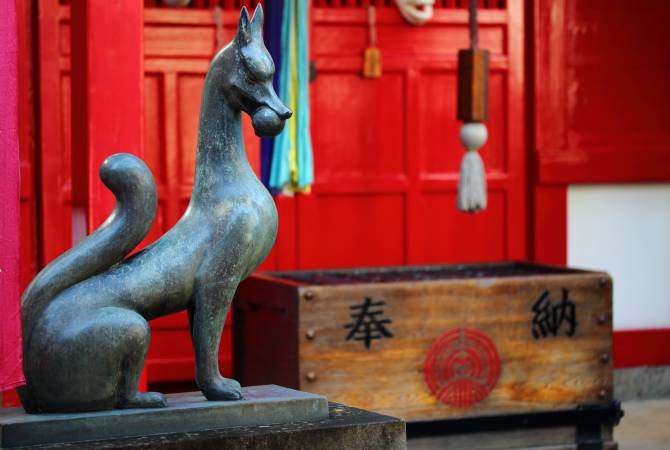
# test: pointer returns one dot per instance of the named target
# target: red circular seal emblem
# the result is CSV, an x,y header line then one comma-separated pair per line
x,y
462,367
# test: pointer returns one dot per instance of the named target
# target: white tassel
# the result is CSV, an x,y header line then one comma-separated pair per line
x,y
472,181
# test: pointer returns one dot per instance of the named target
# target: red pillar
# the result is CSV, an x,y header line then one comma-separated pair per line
x,y
11,374
107,101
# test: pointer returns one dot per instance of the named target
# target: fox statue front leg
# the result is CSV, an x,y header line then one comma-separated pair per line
x,y
210,308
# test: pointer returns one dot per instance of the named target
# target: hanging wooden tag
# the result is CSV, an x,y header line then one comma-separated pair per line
x,y
473,82
372,58
372,66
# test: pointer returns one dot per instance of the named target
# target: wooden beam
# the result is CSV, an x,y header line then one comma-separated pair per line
x,y
107,99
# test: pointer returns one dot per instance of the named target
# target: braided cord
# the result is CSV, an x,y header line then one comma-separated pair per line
x,y
474,35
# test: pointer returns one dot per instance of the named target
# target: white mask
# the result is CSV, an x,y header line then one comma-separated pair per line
x,y
416,12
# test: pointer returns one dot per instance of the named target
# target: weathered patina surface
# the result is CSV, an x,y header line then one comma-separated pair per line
x,y
85,330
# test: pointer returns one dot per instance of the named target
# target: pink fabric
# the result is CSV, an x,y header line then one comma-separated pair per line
x,y
11,373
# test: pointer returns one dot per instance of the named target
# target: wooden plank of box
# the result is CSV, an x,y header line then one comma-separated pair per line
x,y
431,342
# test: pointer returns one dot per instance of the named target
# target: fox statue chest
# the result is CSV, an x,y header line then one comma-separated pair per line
x,y
243,222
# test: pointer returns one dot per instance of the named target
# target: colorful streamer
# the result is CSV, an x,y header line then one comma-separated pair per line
x,y
291,168
273,22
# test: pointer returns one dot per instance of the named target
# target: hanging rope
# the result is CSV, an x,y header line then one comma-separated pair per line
x,y
472,23
372,57
473,69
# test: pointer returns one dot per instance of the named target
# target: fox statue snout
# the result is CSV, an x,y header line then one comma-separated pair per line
x,y
269,122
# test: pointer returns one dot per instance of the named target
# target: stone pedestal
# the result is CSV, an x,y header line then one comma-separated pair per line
x,y
269,417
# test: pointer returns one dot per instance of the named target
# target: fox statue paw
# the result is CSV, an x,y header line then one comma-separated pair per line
x,y
145,400
222,389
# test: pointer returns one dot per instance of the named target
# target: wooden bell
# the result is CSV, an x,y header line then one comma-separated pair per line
x,y
473,85
473,71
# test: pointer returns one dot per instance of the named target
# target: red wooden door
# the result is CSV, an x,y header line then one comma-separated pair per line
x,y
387,152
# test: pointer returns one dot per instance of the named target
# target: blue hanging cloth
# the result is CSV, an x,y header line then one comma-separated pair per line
x,y
305,156
273,23
292,162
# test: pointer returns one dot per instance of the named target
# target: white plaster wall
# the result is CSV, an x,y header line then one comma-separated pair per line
x,y
625,230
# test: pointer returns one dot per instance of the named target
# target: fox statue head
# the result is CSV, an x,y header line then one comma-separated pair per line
x,y
245,69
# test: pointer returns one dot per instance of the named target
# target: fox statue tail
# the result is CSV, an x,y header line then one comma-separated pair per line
x,y
132,183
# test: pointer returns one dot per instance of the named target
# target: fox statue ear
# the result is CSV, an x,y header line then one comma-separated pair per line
x,y
244,26
257,24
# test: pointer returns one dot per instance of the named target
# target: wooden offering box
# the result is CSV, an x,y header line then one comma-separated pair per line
x,y
431,342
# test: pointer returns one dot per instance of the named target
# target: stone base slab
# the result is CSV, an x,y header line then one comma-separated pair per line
x,y
185,413
345,428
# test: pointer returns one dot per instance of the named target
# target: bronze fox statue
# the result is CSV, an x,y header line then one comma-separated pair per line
x,y
85,330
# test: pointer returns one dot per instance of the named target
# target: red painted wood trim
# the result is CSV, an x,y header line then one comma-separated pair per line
x,y
569,150
642,347
550,224
385,16
607,166
517,217
107,96
54,235
11,374
546,89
